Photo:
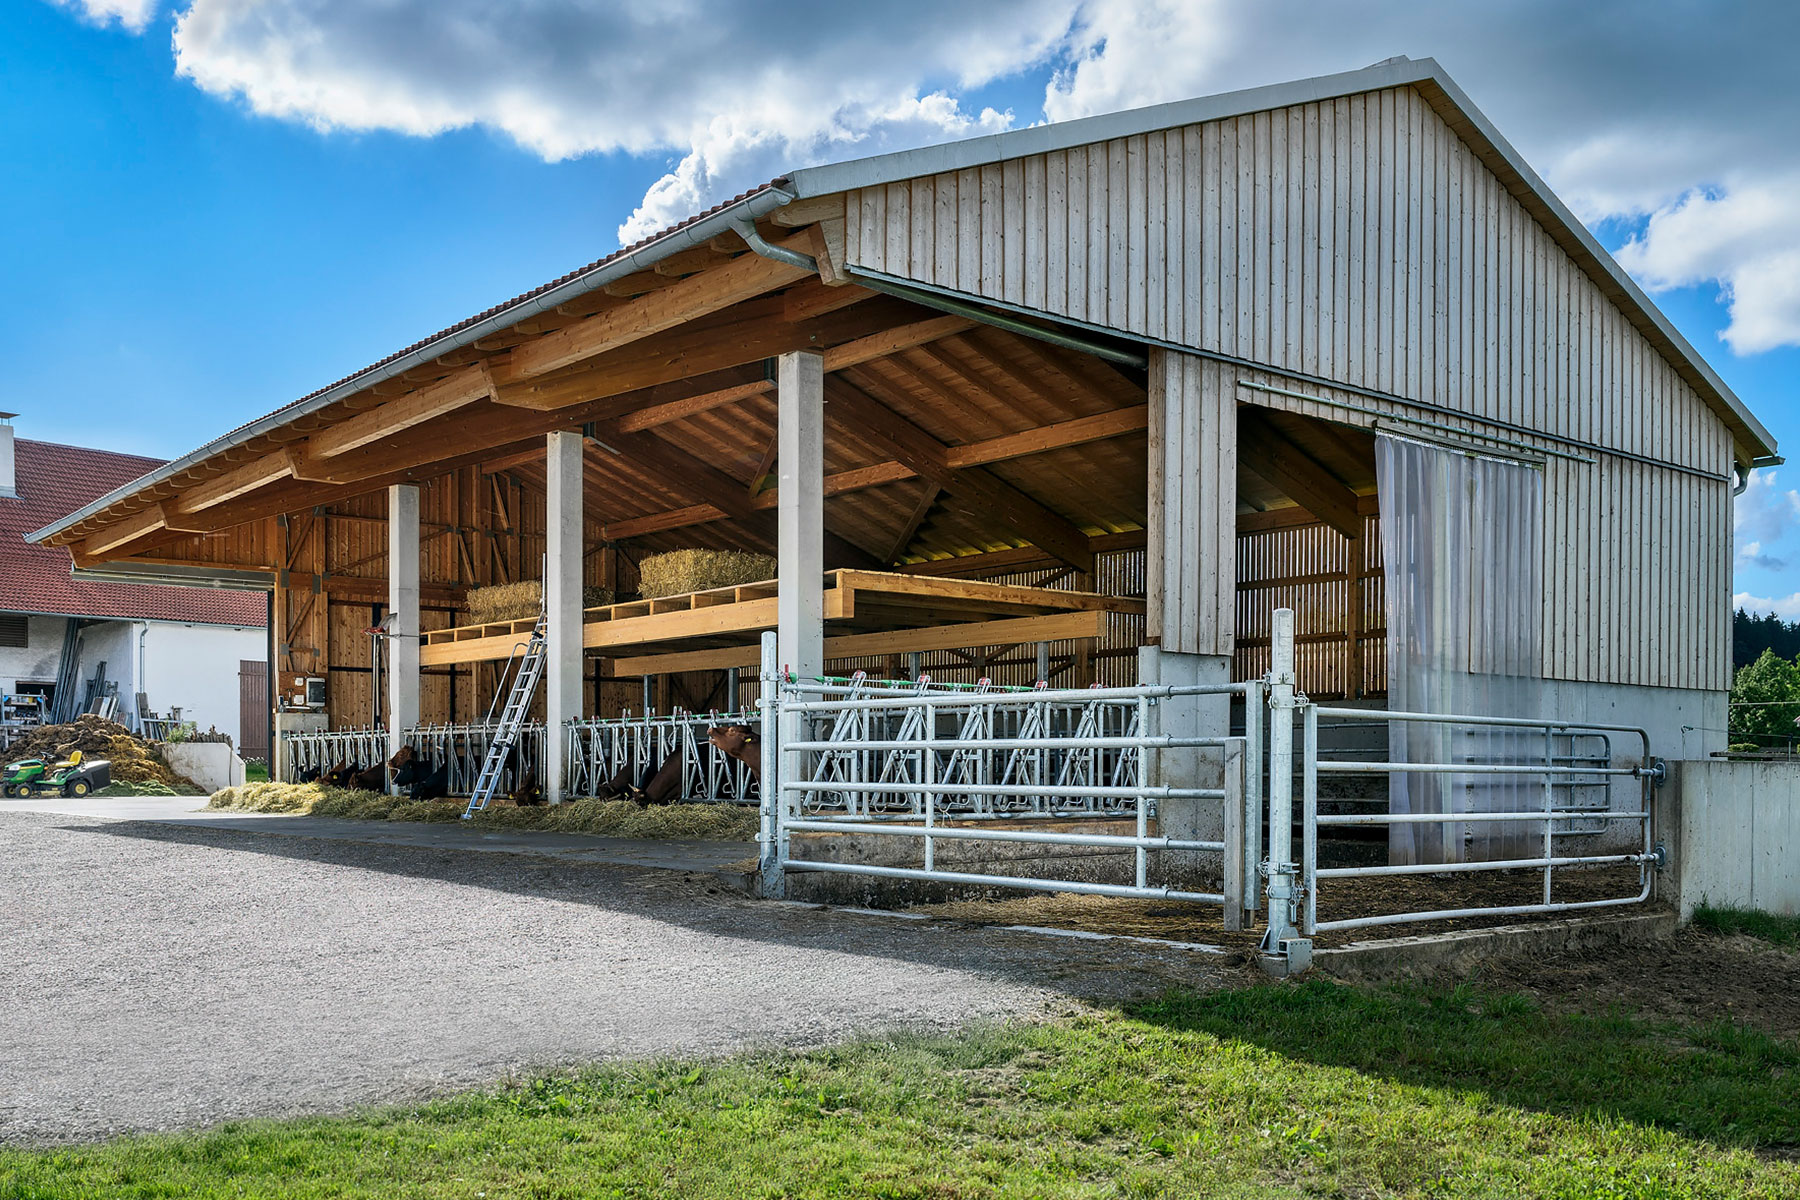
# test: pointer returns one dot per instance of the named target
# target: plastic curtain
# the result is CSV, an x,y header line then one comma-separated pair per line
x,y
1461,539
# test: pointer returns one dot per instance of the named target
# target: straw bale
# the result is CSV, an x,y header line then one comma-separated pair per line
x,y
514,601
681,571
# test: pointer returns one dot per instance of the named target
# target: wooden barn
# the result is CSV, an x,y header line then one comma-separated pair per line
x,y
1078,401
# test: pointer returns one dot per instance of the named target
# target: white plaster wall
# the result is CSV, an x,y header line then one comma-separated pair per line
x,y
36,662
115,644
196,667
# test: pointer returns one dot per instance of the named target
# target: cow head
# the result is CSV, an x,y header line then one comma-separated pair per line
x,y
734,740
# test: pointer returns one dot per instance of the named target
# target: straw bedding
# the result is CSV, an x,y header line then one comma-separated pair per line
x,y
608,818
682,571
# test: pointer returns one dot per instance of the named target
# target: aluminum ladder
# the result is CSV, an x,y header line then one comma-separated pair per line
x,y
512,718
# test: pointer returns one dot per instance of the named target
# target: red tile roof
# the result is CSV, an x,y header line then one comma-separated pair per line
x,y
53,480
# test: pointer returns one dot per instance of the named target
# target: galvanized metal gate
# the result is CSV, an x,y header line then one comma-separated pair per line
x,y
933,766
929,766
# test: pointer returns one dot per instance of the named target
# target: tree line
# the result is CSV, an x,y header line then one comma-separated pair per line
x,y
1765,688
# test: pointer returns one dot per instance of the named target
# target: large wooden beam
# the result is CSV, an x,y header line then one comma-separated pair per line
x,y
1264,450
748,333
695,296
257,473
981,495
1079,431
1055,627
454,391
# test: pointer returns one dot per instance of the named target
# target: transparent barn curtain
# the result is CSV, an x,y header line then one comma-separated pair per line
x,y
1461,539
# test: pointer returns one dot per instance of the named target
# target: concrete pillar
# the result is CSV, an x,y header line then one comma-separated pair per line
x,y
403,612
562,600
800,463
1191,766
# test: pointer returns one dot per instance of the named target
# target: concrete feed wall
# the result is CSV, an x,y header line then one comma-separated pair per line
x,y
1732,830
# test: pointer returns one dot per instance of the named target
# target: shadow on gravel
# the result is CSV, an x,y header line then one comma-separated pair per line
x,y
1106,971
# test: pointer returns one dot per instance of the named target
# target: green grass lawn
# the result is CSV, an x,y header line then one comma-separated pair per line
x,y
1312,1090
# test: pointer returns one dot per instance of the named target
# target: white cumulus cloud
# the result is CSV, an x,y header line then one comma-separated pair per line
x,y
1766,512
132,14
1785,607
1678,118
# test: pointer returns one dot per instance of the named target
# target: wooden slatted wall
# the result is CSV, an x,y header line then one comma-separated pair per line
x,y
1192,525
1361,240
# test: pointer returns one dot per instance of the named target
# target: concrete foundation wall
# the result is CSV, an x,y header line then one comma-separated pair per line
x,y
212,765
1732,831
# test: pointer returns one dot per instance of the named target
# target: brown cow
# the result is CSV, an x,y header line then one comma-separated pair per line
x,y
339,775
374,779
741,743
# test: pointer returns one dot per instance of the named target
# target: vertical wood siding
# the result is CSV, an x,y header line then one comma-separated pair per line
x,y
1192,525
1360,240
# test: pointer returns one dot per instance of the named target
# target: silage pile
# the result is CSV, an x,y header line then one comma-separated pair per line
x,y
681,571
516,601
605,818
133,759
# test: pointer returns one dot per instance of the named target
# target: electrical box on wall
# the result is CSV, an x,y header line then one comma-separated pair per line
x,y
302,691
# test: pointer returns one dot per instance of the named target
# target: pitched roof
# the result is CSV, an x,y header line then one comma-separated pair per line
x,y
1424,73
55,479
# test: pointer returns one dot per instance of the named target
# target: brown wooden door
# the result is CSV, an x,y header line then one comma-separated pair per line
x,y
253,709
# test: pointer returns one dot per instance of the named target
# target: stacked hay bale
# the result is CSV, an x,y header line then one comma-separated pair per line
x,y
681,571
133,759
516,601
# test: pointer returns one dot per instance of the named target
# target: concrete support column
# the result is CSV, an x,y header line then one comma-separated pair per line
x,y
562,601
403,612
800,463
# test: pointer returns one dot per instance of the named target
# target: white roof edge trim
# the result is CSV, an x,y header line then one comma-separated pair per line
x,y
1064,135
759,202
1042,139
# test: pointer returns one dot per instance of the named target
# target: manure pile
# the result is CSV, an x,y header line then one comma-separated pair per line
x,y
133,759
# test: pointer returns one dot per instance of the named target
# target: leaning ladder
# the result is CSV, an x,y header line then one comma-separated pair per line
x,y
512,719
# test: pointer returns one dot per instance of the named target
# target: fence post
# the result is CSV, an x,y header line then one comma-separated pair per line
x,y
771,838
1283,952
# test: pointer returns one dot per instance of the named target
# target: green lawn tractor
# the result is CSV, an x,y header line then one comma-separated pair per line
x,y
74,776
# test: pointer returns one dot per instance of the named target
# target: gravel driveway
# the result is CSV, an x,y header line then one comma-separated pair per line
x,y
158,976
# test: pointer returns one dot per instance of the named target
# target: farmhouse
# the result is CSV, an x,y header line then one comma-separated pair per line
x,y
1085,402
80,645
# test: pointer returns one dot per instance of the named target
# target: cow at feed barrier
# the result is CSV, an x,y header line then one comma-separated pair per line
x,y
739,742
418,776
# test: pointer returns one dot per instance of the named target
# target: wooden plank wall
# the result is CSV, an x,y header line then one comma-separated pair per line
x,y
1192,523
1340,618
1360,240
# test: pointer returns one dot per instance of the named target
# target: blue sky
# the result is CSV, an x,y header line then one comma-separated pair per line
x,y
213,208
